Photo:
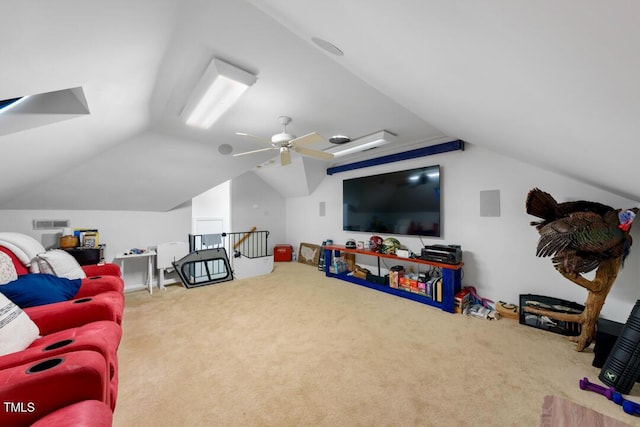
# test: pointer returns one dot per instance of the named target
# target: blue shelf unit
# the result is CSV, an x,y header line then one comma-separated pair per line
x,y
451,277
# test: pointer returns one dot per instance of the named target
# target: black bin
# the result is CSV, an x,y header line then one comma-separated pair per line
x,y
622,367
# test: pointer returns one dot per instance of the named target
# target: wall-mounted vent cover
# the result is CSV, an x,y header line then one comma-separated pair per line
x,y
50,224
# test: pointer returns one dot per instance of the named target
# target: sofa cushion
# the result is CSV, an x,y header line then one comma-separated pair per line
x,y
7,269
59,263
30,290
17,331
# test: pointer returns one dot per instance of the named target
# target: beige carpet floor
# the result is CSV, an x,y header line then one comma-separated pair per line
x,y
294,348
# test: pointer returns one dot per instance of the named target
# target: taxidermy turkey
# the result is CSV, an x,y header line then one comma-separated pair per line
x,y
579,235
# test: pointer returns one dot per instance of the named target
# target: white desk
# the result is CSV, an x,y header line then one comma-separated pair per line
x,y
149,255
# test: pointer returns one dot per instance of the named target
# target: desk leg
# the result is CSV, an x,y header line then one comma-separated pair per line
x,y
150,274
161,279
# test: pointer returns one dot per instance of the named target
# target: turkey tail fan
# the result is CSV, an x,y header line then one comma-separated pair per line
x,y
541,204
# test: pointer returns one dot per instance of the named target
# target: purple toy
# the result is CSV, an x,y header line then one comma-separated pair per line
x,y
596,388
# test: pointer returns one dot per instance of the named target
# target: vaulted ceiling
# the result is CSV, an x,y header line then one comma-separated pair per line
x,y
551,83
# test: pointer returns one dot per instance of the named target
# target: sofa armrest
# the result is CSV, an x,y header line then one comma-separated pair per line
x,y
31,391
88,413
96,285
59,316
107,269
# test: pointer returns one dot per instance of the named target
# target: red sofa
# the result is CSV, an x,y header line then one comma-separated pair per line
x,y
87,413
76,312
34,390
100,278
75,358
102,337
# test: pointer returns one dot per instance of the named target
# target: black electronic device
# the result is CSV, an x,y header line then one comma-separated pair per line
x,y
404,202
446,254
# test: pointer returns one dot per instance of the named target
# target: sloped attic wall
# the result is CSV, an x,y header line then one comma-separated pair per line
x,y
300,178
499,252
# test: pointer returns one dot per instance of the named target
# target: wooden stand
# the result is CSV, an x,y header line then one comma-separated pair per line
x,y
451,277
598,289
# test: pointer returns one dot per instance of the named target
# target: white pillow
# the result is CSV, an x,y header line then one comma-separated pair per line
x,y
17,330
24,247
60,263
7,269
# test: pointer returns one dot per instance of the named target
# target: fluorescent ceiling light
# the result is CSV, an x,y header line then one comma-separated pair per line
x,y
218,89
364,143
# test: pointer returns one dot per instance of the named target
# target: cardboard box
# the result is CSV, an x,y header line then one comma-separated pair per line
x,y
507,310
461,300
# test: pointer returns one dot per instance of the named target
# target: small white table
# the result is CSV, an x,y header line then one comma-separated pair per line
x,y
150,255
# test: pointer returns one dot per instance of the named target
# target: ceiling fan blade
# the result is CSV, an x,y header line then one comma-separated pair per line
x,y
323,155
285,157
307,139
254,137
253,151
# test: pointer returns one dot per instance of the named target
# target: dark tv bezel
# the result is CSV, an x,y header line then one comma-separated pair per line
x,y
419,168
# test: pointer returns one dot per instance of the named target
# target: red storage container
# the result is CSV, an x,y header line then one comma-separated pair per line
x,y
282,253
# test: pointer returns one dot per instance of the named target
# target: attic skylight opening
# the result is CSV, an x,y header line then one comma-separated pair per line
x,y
8,104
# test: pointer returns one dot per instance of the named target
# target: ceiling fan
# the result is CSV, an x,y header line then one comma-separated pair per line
x,y
284,142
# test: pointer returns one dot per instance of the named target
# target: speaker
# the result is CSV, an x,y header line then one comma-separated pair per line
x,y
490,203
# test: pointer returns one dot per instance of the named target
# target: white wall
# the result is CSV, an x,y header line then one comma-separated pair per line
x,y
255,203
119,230
214,203
499,252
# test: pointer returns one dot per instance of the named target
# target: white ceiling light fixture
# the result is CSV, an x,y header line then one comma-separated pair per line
x,y
366,142
218,89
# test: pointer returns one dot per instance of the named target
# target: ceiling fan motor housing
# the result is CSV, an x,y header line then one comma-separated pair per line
x,y
281,138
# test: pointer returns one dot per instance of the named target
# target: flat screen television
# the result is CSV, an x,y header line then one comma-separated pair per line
x,y
405,202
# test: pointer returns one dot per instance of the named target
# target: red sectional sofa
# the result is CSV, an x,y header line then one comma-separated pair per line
x,y
34,390
68,374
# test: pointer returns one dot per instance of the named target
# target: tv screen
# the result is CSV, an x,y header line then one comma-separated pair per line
x,y
405,202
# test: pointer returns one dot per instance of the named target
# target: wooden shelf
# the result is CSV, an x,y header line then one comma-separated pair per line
x,y
451,277
397,258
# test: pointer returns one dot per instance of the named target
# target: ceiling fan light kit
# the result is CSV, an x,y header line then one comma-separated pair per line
x,y
218,89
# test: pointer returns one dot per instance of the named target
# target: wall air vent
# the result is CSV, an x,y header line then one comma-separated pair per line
x,y
50,224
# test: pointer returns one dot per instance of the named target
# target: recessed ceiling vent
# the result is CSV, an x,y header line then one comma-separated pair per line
x,y
50,224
